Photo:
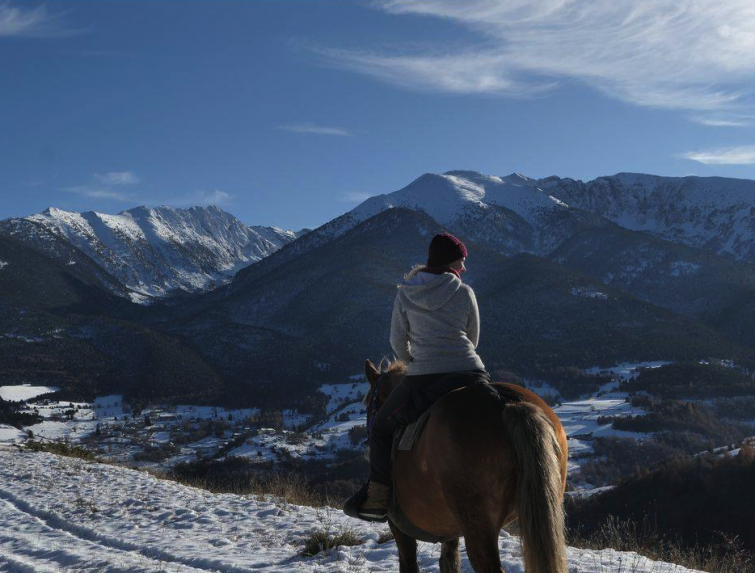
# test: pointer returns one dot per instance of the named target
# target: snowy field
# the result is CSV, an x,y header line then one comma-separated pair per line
x,y
186,432
63,514
22,392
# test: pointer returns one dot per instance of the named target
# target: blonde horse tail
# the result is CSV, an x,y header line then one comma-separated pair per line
x,y
539,488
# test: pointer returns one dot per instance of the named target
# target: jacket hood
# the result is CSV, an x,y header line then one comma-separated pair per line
x,y
430,291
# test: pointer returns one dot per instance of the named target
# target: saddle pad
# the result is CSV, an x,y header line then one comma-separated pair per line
x,y
412,432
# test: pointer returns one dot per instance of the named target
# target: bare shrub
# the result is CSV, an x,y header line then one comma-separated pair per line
x,y
61,449
321,540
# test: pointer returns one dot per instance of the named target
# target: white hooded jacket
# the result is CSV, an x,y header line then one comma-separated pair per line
x,y
435,326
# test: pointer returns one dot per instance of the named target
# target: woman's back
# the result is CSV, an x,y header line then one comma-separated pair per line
x,y
435,324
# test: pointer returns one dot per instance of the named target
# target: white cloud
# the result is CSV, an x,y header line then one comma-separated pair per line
x,y
721,121
99,193
315,129
741,155
470,72
35,22
356,197
200,198
695,55
117,178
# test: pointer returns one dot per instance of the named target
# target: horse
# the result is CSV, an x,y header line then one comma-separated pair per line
x,y
479,464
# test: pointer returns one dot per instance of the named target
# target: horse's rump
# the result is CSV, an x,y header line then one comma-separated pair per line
x,y
463,430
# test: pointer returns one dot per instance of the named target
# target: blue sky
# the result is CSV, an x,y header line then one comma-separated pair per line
x,y
291,112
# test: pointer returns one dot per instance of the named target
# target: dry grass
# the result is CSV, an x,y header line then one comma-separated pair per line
x,y
322,540
385,537
727,556
61,449
291,488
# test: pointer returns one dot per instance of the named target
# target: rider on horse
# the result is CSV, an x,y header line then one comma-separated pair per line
x,y
435,329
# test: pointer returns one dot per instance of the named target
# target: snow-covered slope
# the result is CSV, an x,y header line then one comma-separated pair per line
x,y
275,235
63,514
510,213
156,250
713,213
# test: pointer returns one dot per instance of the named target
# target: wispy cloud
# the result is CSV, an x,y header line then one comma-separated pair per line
x,y
356,197
117,178
200,198
741,155
37,22
99,193
659,53
470,72
721,121
103,186
307,127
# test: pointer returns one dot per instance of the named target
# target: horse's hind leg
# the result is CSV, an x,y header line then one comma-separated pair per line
x,y
482,550
450,562
407,550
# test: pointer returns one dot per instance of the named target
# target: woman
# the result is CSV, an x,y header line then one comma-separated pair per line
x,y
435,329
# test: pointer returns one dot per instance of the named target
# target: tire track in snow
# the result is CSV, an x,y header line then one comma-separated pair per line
x,y
14,565
29,545
108,543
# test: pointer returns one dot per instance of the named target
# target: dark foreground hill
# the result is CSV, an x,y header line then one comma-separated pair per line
x,y
62,327
701,500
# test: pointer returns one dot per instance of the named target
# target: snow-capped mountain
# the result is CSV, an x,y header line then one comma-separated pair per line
x,y
157,250
510,213
712,213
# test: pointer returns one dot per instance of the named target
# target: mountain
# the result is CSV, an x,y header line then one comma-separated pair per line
x,y
515,214
291,322
60,325
687,280
558,287
154,251
716,214
508,213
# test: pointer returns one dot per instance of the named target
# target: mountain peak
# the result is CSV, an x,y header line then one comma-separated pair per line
x,y
156,250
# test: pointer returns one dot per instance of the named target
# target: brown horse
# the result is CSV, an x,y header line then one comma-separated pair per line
x,y
479,464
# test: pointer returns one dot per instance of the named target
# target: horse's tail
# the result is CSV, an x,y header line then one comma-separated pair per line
x,y
539,487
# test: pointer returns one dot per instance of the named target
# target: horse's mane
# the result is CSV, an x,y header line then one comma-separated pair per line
x,y
395,366
388,366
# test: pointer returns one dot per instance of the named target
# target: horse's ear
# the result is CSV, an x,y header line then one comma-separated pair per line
x,y
371,371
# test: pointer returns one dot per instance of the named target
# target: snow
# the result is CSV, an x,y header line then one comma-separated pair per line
x,y
589,293
3,264
110,406
627,370
65,514
153,251
23,392
139,298
9,434
340,394
713,213
446,197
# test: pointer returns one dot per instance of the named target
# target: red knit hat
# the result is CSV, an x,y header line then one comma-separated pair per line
x,y
444,250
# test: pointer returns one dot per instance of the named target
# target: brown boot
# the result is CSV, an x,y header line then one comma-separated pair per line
x,y
375,505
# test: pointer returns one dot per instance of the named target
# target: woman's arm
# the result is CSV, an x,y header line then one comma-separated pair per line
x,y
400,332
473,320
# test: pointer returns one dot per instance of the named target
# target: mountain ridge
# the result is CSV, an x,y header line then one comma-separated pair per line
x,y
156,250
